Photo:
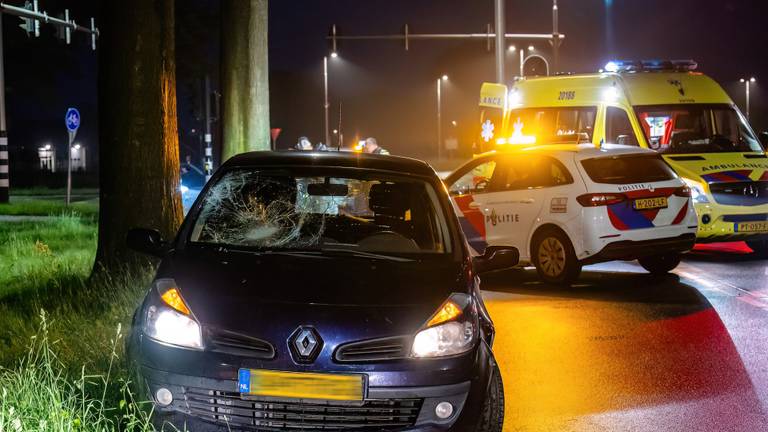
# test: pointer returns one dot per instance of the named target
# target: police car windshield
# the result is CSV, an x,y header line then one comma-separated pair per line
x,y
307,209
696,128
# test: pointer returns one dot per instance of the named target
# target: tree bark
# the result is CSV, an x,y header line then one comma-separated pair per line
x,y
138,139
244,77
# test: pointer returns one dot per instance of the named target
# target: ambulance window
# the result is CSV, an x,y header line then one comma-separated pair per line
x,y
618,128
476,180
534,173
551,125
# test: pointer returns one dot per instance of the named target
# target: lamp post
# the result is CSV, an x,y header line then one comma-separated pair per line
x,y
326,105
439,114
747,82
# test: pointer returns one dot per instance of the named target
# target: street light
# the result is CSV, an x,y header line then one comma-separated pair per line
x,y
439,113
747,82
512,48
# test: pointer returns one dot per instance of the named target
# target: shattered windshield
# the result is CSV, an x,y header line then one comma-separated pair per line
x,y
310,211
696,128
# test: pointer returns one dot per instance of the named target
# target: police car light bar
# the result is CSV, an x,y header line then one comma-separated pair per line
x,y
650,65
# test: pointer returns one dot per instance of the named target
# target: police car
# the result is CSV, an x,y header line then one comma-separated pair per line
x,y
565,206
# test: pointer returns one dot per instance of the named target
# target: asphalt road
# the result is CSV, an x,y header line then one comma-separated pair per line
x,y
626,351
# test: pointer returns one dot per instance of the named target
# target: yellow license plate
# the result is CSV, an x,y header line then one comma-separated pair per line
x,y
301,385
759,226
650,203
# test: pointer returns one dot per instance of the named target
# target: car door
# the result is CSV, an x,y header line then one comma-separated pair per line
x,y
470,188
527,186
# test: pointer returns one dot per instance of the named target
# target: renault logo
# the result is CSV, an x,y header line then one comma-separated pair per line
x,y
751,190
305,344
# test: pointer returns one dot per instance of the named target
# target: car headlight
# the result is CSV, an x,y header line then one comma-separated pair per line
x,y
697,191
451,330
169,319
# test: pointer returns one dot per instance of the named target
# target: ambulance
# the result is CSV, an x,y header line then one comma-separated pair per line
x,y
666,106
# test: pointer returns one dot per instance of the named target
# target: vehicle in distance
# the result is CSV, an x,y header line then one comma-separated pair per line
x,y
319,291
662,105
564,206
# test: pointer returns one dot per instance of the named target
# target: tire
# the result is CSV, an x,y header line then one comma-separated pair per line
x,y
492,415
660,264
760,247
554,258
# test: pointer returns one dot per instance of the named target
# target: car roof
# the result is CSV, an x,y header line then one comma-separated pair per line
x,y
331,159
642,88
582,151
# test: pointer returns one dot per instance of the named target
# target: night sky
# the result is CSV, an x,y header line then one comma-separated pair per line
x,y
383,90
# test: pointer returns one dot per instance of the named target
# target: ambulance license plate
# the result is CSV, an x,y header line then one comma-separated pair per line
x,y
301,385
650,203
758,226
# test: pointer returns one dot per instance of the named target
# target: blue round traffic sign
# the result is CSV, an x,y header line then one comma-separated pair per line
x,y
72,119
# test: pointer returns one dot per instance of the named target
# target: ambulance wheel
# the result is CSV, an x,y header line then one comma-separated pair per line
x,y
660,264
554,257
759,247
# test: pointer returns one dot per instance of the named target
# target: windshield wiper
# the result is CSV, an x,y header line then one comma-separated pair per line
x,y
363,254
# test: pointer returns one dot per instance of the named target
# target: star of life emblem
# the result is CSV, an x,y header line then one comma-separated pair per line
x,y
487,132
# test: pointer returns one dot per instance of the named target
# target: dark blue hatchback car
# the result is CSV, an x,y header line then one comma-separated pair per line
x,y
319,291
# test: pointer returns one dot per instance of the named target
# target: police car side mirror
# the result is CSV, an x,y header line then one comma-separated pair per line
x,y
496,258
146,241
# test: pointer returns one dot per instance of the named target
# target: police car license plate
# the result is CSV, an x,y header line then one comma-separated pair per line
x,y
650,203
301,385
758,226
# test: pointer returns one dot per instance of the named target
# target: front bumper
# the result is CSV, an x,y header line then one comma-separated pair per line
x,y
719,224
208,401
634,249
212,405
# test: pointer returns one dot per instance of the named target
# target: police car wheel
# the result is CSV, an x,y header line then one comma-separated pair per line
x,y
760,247
554,257
660,264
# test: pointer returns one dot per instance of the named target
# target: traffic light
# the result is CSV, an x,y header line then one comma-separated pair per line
x,y
30,25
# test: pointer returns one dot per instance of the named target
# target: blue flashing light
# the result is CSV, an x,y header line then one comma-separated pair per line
x,y
655,65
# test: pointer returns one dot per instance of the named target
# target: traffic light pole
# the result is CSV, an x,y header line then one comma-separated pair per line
x,y
4,171
34,16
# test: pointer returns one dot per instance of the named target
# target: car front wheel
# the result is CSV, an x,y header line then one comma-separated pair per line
x,y
660,264
554,257
492,416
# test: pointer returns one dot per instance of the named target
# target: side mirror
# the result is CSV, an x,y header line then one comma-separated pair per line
x,y
496,258
764,138
146,241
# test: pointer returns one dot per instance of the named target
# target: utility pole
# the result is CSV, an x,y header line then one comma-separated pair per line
x,y
30,13
555,39
208,159
500,19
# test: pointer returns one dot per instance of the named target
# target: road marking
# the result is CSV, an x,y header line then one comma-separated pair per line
x,y
758,299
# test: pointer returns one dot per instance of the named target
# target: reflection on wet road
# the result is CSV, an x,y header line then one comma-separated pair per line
x,y
627,351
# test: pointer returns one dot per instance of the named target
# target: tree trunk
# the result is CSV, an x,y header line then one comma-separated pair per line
x,y
138,139
244,77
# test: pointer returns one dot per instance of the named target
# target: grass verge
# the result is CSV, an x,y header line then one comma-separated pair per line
x,y
45,265
49,207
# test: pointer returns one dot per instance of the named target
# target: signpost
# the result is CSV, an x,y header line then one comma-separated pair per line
x,y
72,121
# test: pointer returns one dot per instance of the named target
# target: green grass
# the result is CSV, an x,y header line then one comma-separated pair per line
x,y
36,253
38,190
49,207
68,372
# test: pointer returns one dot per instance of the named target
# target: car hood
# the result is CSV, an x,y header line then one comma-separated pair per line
x,y
720,167
241,291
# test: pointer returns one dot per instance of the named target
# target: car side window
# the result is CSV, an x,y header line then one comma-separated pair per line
x,y
475,181
618,128
533,173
